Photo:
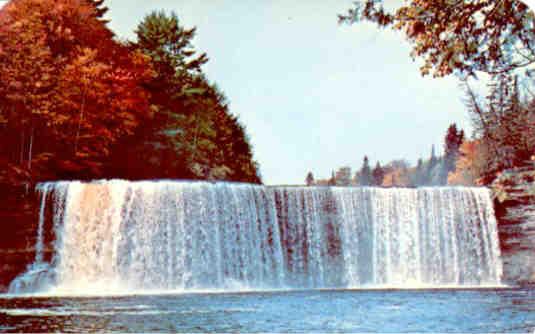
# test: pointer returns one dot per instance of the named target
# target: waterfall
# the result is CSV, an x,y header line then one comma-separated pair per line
x,y
120,236
40,229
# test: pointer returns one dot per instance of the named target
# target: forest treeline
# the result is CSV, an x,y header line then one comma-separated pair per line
x,y
78,103
503,140
437,170
465,38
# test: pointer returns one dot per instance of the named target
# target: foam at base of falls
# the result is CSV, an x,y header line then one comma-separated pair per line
x,y
119,236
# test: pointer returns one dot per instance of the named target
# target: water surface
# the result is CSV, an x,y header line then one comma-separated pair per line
x,y
479,310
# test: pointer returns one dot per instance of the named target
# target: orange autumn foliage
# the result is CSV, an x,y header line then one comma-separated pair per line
x,y
68,92
469,165
77,104
396,177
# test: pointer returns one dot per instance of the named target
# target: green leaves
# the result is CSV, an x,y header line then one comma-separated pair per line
x,y
169,45
459,37
74,103
192,134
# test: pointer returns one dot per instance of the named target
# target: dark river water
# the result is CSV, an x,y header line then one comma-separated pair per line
x,y
485,310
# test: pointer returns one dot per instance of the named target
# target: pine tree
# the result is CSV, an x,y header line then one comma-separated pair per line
x,y
504,124
433,161
161,37
309,179
191,133
452,143
378,175
419,174
365,178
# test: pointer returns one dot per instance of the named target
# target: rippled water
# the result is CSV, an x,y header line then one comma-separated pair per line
x,y
482,310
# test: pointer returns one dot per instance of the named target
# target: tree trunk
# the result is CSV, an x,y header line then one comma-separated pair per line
x,y
30,150
196,137
79,124
21,152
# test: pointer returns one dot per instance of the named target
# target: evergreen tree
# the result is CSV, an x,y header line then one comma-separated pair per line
x,y
464,38
419,178
452,143
433,159
192,133
378,175
309,179
77,104
356,178
431,164
505,126
169,45
365,177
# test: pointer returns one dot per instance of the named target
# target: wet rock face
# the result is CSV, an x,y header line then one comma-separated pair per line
x,y
17,233
515,211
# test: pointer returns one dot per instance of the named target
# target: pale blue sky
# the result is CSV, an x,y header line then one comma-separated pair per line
x,y
313,95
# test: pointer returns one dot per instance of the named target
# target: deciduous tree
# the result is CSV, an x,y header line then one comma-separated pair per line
x,y
378,175
458,36
470,165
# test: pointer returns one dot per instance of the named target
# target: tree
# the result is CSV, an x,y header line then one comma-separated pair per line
x,y
74,90
470,165
343,176
505,124
397,174
452,143
332,180
100,8
459,36
169,45
378,175
465,37
393,180
77,104
365,175
433,160
309,179
177,140
419,176
192,133
27,66
431,165
87,86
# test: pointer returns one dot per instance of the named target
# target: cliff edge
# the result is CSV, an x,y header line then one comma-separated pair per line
x,y
514,192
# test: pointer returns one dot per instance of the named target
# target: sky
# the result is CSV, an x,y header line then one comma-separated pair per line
x,y
314,95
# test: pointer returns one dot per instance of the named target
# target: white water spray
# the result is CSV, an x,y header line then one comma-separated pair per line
x,y
119,236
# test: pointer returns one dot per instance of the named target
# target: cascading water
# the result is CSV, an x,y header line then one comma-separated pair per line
x,y
120,236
